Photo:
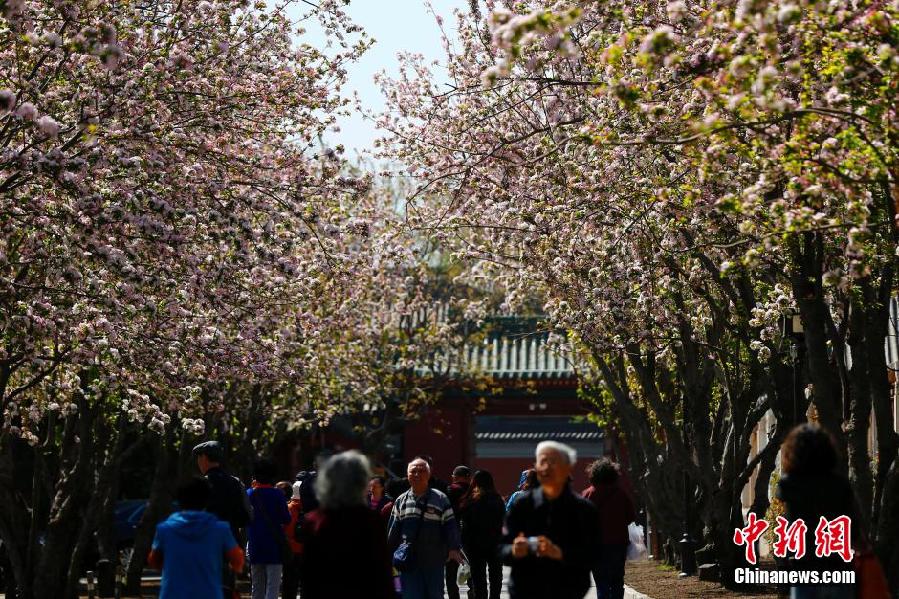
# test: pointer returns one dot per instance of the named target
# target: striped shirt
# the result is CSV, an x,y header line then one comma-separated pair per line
x,y
439,531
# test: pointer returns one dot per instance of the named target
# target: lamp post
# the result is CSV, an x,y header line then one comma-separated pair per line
x,y
687,545
791,326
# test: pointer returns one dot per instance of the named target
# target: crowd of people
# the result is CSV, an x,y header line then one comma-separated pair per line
x,y
341,532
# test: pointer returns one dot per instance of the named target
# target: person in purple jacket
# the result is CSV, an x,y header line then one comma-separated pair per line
x,y
266,532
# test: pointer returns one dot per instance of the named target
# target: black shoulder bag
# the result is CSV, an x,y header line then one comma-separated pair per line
x,y
404,556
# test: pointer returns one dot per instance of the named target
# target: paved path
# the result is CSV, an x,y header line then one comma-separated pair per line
x,y
629,593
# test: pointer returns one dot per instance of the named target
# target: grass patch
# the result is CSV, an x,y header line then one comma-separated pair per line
x,y
666,568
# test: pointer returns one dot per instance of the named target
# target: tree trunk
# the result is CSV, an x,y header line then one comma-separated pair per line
x,y
158,506
856,428
649,465
13,512
99,516
881,398
805,276
72,495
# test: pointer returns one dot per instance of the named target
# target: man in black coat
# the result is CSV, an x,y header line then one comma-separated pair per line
x,y
228,499
551,535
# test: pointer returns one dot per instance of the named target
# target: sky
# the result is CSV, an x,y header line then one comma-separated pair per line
x,y
396,26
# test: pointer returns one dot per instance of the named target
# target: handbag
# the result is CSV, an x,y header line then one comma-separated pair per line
x,y
870,580
404,556
636,548
284,549
463,574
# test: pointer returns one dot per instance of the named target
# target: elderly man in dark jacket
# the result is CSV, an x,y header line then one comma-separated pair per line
x,y
552,535
227,501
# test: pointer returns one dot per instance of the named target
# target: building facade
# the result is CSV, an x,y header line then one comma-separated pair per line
x,y
530,395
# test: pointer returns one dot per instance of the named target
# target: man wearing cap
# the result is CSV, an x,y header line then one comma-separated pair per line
x,y
228,500
459,483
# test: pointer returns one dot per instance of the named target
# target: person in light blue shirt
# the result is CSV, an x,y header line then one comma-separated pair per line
x,y
527,482
190,545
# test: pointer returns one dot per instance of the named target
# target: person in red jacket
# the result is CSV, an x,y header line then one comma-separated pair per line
x,y
616,512
290,583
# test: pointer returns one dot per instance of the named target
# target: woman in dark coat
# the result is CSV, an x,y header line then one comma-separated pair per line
x,y
616,512
377,496
811,488
344,546
481,514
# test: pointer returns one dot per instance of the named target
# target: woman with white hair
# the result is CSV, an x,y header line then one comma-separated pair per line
x,y
344,547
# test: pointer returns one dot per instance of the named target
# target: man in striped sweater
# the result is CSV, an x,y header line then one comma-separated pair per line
x,y
424,517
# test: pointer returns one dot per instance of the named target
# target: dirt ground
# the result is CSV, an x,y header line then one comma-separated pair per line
x,y
661,582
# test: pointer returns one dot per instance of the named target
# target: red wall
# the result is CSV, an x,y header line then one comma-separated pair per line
x,y
444,434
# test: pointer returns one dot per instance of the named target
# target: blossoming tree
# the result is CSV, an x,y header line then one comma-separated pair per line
x,y
674,178
169,230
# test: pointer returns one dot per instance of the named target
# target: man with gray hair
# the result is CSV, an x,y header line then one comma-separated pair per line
x,y
551,537
423,523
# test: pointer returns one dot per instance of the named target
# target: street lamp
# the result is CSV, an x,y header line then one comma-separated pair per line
x,y
791,328
687,545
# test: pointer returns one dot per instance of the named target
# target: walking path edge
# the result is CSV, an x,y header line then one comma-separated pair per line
x,y
631,593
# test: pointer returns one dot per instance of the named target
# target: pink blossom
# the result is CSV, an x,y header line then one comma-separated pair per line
x,y
48,126
7,101
26,111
